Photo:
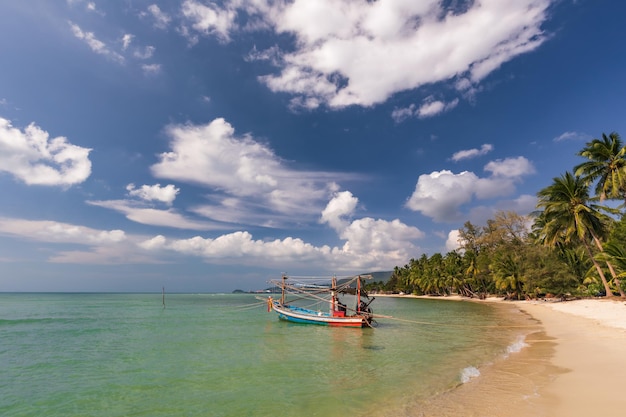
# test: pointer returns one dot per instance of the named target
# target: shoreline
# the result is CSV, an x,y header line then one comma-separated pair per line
x,y
576,361
590,349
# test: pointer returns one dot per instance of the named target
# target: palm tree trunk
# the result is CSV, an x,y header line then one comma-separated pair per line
x,y
616,279
608,264
607,289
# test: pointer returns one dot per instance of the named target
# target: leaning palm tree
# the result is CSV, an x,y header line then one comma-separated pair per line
x,y
569,214
606,164
617,254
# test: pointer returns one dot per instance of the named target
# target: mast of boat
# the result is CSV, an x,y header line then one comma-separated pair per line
x,y
333,294
358,294
282,287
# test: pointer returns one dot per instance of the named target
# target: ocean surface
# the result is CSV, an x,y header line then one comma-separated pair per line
x,y
225,355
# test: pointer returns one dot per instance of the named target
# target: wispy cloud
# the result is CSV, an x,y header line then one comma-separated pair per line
x,y
472,153
368,243
151,69
161,19
95,44
401,114
139,212
127,38
144,53
89,5
209,19
577,136
430,107
241,173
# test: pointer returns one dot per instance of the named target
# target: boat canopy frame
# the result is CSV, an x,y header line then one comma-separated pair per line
x,y
317,289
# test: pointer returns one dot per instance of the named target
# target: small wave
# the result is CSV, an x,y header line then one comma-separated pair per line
x,y
12,322
517,346
468,374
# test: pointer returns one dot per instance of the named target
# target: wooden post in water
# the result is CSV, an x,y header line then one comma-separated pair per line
x,y
163,292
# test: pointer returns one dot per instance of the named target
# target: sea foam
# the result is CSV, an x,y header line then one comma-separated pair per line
x,y
516,346
468,374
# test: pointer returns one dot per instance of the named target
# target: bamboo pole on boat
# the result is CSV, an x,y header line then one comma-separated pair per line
x,y
358,294
333,295
282,295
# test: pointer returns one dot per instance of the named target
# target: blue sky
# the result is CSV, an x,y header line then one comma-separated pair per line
x,y
212,145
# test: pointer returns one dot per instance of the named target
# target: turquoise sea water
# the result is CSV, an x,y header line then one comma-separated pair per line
x,y
224,355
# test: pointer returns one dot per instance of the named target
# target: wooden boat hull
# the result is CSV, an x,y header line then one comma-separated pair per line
x,y
301,315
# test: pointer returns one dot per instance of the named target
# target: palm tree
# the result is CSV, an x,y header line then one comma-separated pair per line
x,y
606,164
574,259
453,272
569,214
507,273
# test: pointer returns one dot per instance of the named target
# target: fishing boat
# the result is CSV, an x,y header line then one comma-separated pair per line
x,y
299,296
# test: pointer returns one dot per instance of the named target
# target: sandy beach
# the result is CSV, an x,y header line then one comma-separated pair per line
x,y
589,339
574,365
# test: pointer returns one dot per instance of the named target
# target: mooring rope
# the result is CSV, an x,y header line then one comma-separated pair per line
x,y
263,302
249,306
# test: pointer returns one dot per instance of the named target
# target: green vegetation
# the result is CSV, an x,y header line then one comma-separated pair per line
x,y
574,245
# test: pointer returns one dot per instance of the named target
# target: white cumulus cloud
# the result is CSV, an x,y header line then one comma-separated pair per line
x,y
350,52
510,167
377,236
453,243
360,53
154,192
36,159
366,237
440,195
341,205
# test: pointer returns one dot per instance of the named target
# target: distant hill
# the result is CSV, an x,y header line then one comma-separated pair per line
x,y
376,277
380,276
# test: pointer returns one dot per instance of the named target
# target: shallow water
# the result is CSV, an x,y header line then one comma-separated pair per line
x,y
224,355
